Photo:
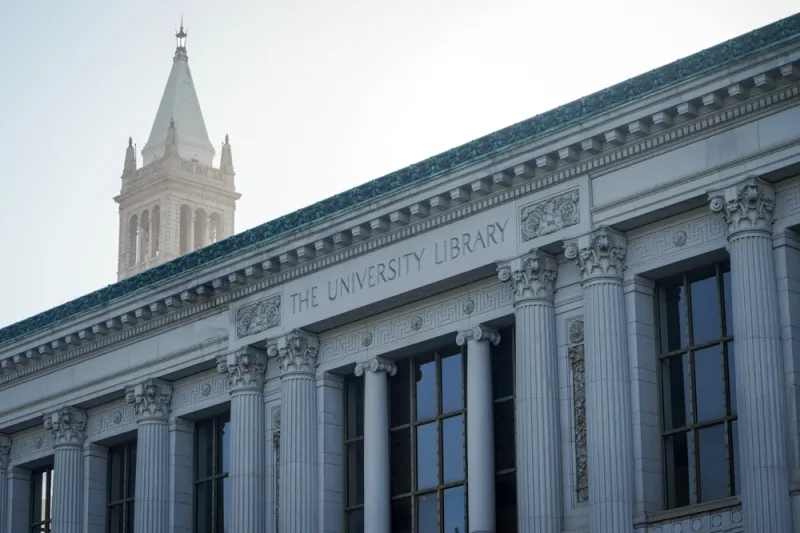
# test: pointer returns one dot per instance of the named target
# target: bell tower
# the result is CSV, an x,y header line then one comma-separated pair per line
x,y
177,201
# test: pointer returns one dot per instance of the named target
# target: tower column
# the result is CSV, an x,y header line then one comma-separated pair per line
x,y
539,501
68,426
763,435
600,257
151,400
297,355
246,369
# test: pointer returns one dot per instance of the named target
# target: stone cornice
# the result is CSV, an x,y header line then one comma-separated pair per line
x,y
151,399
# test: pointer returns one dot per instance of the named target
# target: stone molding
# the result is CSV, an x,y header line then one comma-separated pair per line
x,y
151,399
110,419
376,364
531,276
296,352
199,389
746,206
68,426
725,518
478,333
576,352
599,254
5,454
550,215
246,368
258,316
31,445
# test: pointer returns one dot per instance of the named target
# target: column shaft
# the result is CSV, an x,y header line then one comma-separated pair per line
x,y
151,512
67,489
247,462
377,490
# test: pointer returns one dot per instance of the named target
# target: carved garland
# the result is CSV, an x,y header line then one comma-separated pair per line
x,y
551,215
575,351
258,317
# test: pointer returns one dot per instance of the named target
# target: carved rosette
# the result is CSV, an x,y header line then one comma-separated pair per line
x,y
748,206
246,368
579,409
5,452
550,216
377,364
532,276
151,399
296,352
68,426
600,254
478,333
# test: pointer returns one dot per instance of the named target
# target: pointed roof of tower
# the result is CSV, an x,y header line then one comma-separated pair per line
x,y
179,103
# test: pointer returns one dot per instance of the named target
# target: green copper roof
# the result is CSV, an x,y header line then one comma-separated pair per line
x,y
769,36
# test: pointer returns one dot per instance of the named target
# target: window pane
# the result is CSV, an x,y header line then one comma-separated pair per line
x,y
37,505
129,517
735,456
426,387
131,470
503,365
427,508
115,519
205,449
401,515
223,504
453,509
427,466
713,463
202,507
675,308
679,459
709,386
400,396
116,469
224,447
400,443
452,384
355,473
675,390
453,449
705,307
355,521
504,437
728,298
506,502
355,408
732,377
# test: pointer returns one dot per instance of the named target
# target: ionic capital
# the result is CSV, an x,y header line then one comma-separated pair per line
x,y
5,452
377,364
599,254
68,426
246,368
151,399
532,276
478,333
296,352
746,206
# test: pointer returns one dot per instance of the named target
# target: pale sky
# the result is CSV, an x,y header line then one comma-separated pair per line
x,y
317,96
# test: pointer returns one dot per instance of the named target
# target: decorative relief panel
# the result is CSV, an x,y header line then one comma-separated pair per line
x,y
204,388
551,215
33,444
787,202
111,419
575,351
259,316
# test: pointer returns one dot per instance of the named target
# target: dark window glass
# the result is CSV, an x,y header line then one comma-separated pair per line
x,y
41,500
121,487
698,391
354,453
211,485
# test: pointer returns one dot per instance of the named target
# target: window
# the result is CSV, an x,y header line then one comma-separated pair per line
x,y
121,487
211,487
697,380
41,500
505,449
354,453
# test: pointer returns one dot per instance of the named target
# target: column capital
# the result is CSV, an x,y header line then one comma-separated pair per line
x,y
246,368
151,399
478,333
68,425
296,352
376,364
746,206
5,452
599,254
532,276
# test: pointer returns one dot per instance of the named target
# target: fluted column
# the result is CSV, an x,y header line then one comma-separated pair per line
x,y
377,509
5,456
246,369
600,256
69,433
298,499
539,500
480,427
764,470
152,400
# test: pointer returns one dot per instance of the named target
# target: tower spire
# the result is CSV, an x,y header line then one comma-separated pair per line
x,y
180,48
226,158
171,142
130,159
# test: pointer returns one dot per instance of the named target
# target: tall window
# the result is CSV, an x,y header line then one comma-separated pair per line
x,y
505,450
354,453
698,392
121,487
41,500
211,487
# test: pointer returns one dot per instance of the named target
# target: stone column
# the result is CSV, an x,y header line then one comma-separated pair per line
x,y
151,401
5,456
539,491
600,256
298,499
760,386
69,433
377,488
246,369
480,427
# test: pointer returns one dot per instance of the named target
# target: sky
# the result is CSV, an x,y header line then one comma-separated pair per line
x,y
317,96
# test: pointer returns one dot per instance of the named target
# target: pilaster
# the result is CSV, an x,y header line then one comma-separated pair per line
x,y
330,450
5,455
19,499
68,426
181,469
95,485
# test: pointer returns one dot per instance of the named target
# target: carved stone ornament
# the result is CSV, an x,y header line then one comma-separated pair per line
x,y
579,410
469,306
478,333
366,339
246,368
550,216
68,426
532,276
151,399
296,352
5,452
258,317
378,364
748,206
600,254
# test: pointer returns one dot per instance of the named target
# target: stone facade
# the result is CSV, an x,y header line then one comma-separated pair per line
x,y
575,236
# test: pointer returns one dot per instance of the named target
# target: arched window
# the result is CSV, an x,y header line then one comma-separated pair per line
x,y
133,240
144,236
214,228
186,230
155,232
200,229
